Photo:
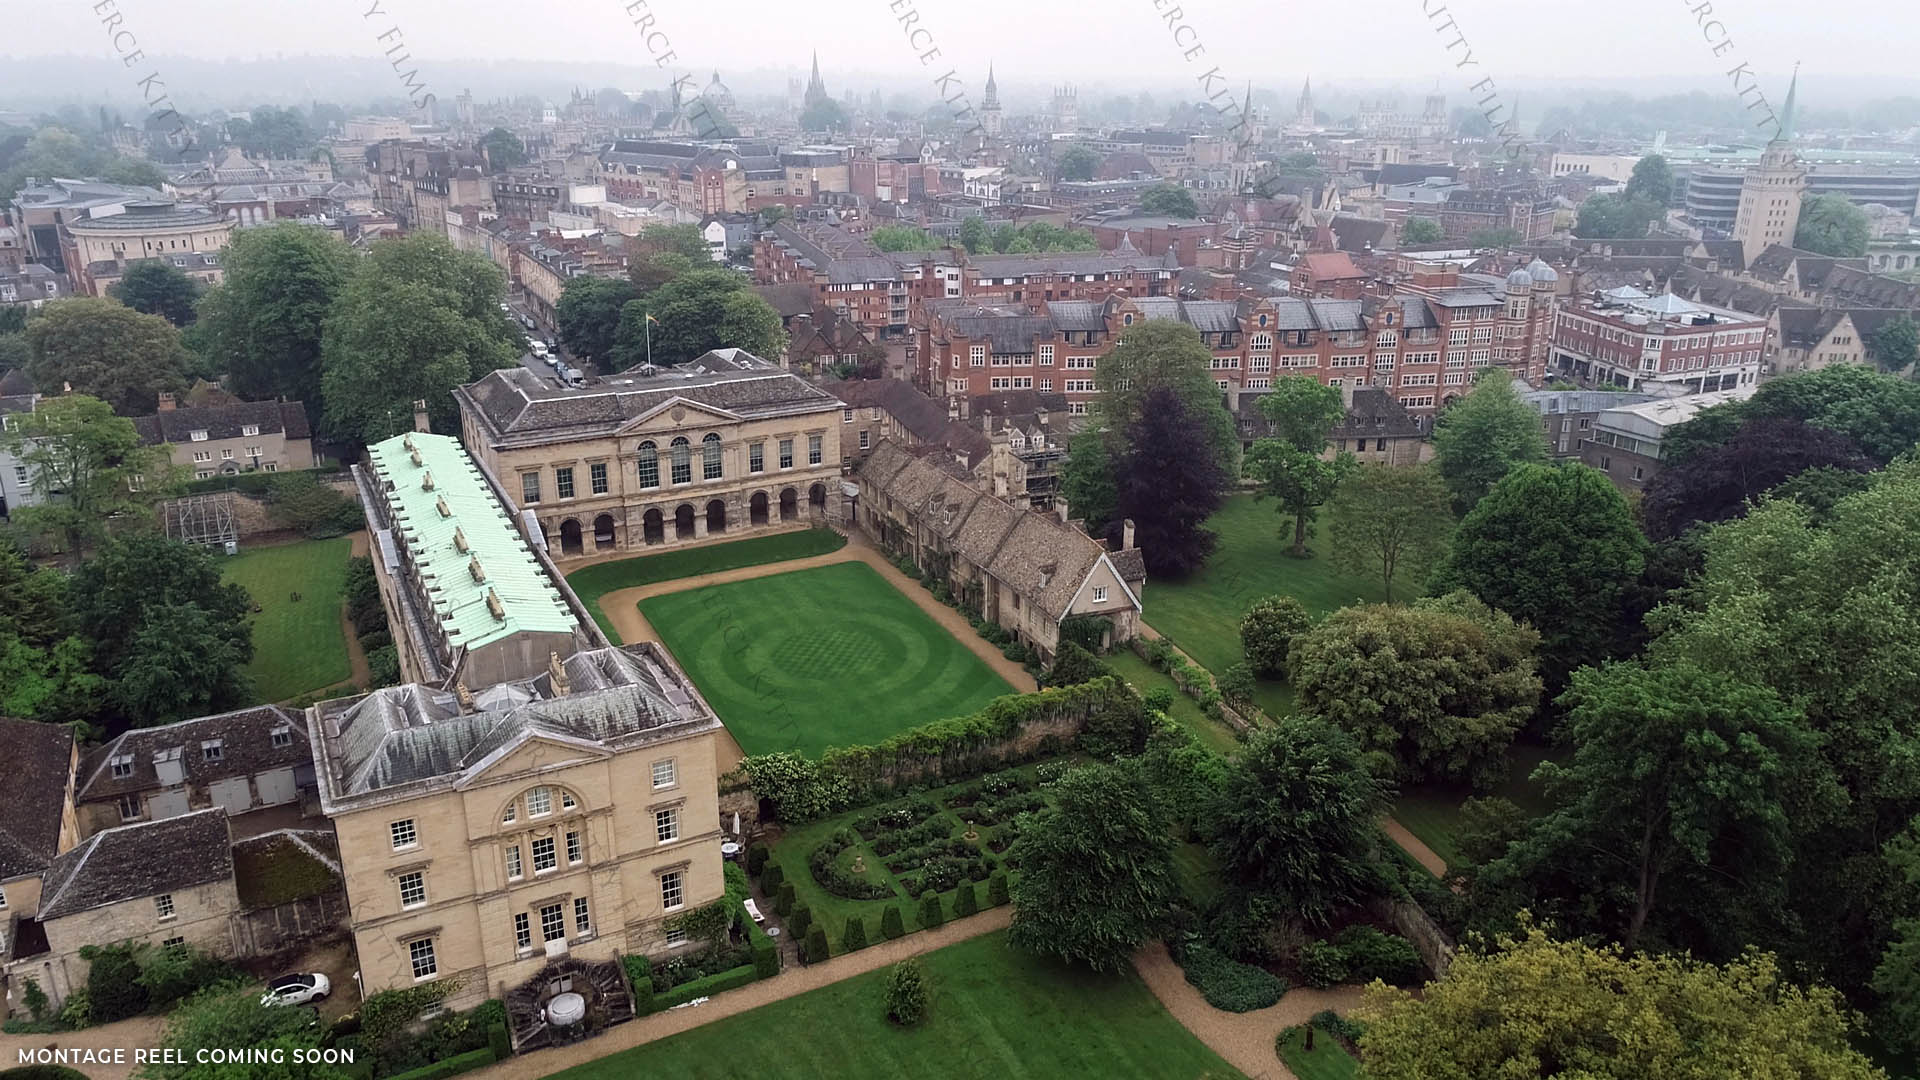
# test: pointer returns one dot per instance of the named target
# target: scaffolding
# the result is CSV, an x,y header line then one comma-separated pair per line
x,y
206,520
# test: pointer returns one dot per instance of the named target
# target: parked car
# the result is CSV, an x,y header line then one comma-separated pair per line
x,y
538,348
296,989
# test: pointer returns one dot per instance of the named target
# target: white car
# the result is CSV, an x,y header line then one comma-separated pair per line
x,y
538,348
296,989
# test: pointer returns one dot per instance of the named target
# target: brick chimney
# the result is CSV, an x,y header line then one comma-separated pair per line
x,y
167,403
420,422
1126,535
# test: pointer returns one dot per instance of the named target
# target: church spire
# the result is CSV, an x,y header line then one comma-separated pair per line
x,y
992,99
1786,113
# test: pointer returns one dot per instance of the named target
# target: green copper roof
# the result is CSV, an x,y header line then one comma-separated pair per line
x,y
481,578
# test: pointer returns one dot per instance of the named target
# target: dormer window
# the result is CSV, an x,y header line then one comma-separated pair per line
x,y
282,736
198,436
211,750
122,766
250,429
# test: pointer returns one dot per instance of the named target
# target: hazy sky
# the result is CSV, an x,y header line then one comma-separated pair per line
x,y
1117,45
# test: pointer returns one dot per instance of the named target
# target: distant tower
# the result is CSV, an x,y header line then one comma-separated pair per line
x,y
1303,112
795,94
1770,194
990,119
816,89
1066,108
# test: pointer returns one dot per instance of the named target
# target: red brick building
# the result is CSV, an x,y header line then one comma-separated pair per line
x,y
1628,339
1330,274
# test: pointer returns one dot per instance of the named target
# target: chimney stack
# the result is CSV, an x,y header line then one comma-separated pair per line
x,y
167,403
1126,535
420,415
1060,507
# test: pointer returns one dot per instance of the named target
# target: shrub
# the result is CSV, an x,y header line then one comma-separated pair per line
x,y
35,999
798,922
1159,699
931,914
1073,665
1237,685
825,864
856,936
783,900
816,945
1015,652
707,986
1160,653
1374,954
383,666
1334,1024
42,1072
1322,964
770,879
891,924
113,985
499,1041
453,1066
1268,630
77,1010
965,902
1227,983
906,993
766,954
997,891
639,971
757,854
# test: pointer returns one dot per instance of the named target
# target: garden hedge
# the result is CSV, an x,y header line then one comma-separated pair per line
x,y
730,979
453,1066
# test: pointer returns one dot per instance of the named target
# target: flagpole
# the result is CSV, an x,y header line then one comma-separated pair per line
x,y
649,326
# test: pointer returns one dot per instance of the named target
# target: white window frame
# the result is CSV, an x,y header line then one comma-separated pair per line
x,y
421,957
403,833
522,932
1099,594
552,858
539,802
673,891
665,777
516,869
666,825
414,882
163,907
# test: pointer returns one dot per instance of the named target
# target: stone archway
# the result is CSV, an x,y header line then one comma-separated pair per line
x,y
757,509
653,527
817,502
789,504
683,522
570,538
716,517
603,532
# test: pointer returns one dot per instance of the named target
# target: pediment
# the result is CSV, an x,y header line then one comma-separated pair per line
x,y
531,752
677,414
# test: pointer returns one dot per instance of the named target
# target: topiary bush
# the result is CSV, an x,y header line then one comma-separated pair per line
x,y
931,913
771,878
856,936
1227,983
1374,954
998,892
113,984
891,924
1333,1023
757,855
798,922
1322,964
965,902
906,993
816,949
783,900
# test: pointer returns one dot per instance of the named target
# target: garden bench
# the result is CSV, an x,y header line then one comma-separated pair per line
x,y
753,911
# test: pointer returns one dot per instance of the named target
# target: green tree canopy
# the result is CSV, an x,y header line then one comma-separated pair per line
x,y
1078,162
1436,691
77,447
1421,232
1088,480
1390,520
1831,225
1157,353
693,313
1617,217
825,115
1167,483
1879,412
1298,816
1719,482
157,287
1290,464
106,350
503,148
1537,1007
1096,870
1494,238
684,240
1169,199
975,236
1267,631
1481,437
902,238
589,314
231,1016
1652,180
273,132
262,325
1896,345
1555,547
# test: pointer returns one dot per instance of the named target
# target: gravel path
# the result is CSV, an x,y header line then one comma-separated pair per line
x,y
1244,1039
1411,844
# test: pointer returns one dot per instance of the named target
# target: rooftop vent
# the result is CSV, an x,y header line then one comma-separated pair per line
x,y
473,568
426,481
495,607
440,504
459,540
407,441
415,455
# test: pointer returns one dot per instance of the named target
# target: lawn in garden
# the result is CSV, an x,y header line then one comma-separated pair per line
x,y
811,659
593,582
1143,677
1328,1060
1432,812
898,850
993,1011
298,645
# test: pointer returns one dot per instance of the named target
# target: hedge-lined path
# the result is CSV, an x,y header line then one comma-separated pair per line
x,y
622,606
791,981
1244,1039
1411,844
362,675
139,1031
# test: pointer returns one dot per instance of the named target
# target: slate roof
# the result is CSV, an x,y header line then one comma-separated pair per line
x,y
1357,234
287,418
1849,287
1078,316
1132,565
1806,327
246,748
132,861
789,298
844,258
410,734
521,408
1063,262
147,215
1373,413
15,383
37,760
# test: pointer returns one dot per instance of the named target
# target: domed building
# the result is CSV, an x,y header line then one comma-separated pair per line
x,y
717,94
1526,323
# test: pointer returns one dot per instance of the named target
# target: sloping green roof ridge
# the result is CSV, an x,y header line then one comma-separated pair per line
x,y
528,598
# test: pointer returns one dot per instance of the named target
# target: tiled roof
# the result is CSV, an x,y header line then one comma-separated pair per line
x,y
789,298
246,747
132,861
225,422
38,757
483,582
1063,262
1334,265
1857,288
923,417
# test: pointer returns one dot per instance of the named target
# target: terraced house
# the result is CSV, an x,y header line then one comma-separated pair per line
x,y
728,443
526,835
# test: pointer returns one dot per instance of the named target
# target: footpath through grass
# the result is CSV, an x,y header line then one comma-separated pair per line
x,y
1432,812
298,645
994,1012
811,659
593,582
1185,712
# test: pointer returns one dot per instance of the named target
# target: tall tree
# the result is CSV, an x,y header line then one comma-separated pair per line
x,y
1163,353
1291,464
1390,520
1088,482
504,149
1879,412
157,287
901,238
1652,179
1718,483
103,349
1096,870
1608,217
1480,438
262,325
1078,162
589,315
170,636
684,240
1435,691
1168,482
825,115
1421,232
1297,817
1831,225
1896,979
1169,199
1538,1007
695,312
1677,800
974,236
229,1016
1896,345
1555,547
76,448
1494,238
